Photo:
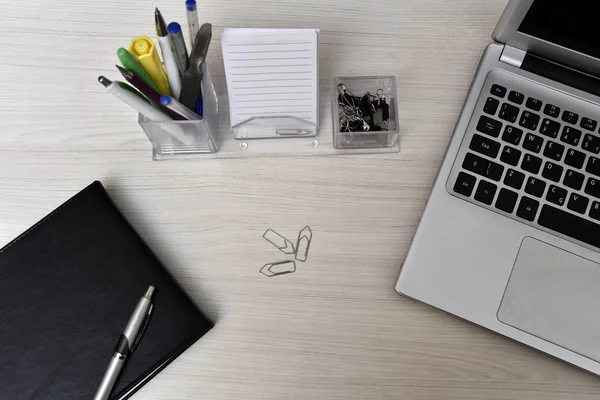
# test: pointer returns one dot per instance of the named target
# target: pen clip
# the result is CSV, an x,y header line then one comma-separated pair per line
x,y
139,336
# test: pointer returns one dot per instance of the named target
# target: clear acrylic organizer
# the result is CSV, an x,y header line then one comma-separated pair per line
x,y
203,138
358,86
176,139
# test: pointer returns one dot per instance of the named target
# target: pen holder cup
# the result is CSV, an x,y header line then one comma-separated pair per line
x,y
378,87
174,139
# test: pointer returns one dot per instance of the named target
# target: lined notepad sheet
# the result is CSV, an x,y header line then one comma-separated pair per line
x,y
271,72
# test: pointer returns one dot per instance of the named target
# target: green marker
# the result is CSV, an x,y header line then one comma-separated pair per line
x,y
131,63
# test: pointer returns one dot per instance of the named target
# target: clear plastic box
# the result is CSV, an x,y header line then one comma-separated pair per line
x,y
358,86
174,139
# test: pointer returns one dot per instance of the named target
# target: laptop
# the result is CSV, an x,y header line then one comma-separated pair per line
x,y
510,236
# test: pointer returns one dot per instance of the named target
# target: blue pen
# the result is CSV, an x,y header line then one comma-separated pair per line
x,y
175,106
181,54
192,19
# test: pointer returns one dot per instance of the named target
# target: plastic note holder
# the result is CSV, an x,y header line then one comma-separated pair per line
x,y
272,80
273,127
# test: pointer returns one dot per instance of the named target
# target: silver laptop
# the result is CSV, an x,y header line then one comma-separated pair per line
x,y
510,236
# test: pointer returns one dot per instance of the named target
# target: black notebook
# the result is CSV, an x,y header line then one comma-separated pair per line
x,y
67,289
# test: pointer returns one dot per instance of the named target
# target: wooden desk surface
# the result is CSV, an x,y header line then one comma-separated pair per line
x,y
335,329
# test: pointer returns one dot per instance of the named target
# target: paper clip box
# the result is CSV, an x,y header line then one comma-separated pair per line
x,y
173,139
358,86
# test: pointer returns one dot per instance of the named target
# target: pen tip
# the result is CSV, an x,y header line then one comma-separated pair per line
x,y
149,292
105,81
124,72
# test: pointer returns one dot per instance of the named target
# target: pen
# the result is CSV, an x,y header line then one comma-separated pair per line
x,y
127,343
174,105
141,105
135,101
131,63
150,93
167,53
192,19
181,54
143,47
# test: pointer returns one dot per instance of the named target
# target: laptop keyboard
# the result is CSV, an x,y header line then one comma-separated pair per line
x,y
534,159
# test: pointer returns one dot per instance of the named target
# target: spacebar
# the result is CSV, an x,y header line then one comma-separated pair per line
x,y
570,225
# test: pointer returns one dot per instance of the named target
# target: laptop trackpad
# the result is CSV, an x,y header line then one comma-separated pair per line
x,y
554,295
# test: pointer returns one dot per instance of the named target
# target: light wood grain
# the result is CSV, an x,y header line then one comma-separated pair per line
x,y
335,329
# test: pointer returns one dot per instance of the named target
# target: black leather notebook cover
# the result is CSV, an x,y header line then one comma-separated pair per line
x,y
67,289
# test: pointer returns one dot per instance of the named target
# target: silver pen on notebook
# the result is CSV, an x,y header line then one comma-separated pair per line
x,y
127,343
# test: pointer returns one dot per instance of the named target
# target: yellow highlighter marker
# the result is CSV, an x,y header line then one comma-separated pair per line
x,y
144,49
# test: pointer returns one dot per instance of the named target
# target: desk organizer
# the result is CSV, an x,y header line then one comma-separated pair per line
x,y
204,139
175,139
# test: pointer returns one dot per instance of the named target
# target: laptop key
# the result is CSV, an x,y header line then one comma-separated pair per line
x,y
593,188
485,192
531,164
498,90
535,187
570,225
550,128
485,146
509,112
489,126
465,184
593,166
483,167
516,97
512,135
556,195
554,150
533,143
510,156
491,106
589,124
570,135
527,208
514,179
570,117
529,120
552,171
574,180
534,104
575,158
578,203
591,143
552,111
507,200
595,211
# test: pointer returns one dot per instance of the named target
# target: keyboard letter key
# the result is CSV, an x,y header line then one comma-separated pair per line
x,y
593,166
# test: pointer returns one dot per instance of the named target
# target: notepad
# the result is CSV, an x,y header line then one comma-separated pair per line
x,y
271,73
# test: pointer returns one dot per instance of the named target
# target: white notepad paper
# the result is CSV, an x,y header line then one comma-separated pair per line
x,y
271,73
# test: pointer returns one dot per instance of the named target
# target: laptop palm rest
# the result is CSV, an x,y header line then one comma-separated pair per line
x,y
554,295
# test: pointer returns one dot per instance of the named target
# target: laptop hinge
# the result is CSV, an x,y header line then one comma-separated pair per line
x,y
513,56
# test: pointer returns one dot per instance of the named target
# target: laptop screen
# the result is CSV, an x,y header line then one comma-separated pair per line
x,y
568,23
